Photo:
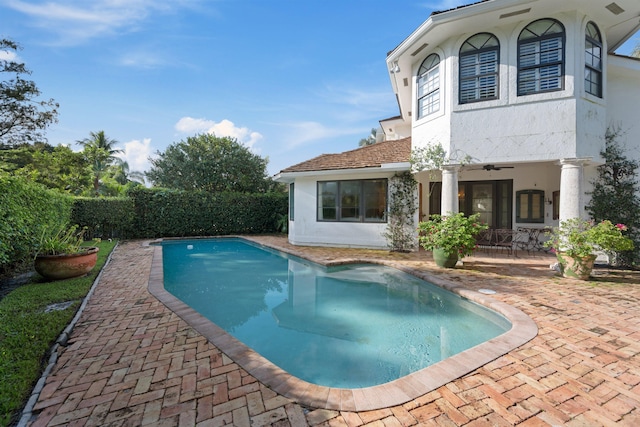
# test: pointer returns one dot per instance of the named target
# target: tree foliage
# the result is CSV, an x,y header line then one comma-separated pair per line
x,y
23,117
401,228
369,140
209,163
54,167
99,151
615,193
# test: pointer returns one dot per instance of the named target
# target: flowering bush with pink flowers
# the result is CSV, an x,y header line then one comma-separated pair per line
x,y
580,238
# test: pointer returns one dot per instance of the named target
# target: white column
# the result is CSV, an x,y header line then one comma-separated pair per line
x,y
572,188
450,189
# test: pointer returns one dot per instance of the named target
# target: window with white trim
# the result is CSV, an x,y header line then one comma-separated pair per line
x,y
541,57
353,200
429,86
593,61
479,63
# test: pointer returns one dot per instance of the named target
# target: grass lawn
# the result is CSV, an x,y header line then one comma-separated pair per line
x,y
27,331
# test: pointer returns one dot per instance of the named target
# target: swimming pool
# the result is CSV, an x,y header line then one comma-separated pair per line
x,y
347,327
386,395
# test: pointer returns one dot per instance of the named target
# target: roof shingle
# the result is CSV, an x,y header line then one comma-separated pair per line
x,y
369,156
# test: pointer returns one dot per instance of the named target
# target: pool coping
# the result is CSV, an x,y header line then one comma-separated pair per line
x,y
386,395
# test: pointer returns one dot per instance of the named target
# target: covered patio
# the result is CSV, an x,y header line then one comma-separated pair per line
x,y
132,361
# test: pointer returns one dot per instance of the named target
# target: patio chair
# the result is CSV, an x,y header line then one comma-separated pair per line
x,y
505,239
483,239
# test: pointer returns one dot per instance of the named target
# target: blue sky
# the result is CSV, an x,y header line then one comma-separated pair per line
x,y
289,79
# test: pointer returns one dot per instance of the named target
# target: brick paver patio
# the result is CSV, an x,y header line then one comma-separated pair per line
x,y
130,361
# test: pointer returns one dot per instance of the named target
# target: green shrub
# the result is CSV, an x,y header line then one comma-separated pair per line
x,y
104,217
176,213
26,210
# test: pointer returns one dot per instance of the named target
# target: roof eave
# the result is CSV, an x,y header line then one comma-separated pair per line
x,y
385,167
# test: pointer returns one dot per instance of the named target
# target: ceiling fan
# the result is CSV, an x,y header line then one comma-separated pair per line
x,y
493,168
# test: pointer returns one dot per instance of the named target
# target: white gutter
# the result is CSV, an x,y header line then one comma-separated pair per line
x,y
385,167
446,17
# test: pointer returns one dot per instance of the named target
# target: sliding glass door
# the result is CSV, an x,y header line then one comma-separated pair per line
x,y
493,200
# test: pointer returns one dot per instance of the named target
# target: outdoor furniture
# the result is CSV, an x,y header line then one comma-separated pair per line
x,y
483,239
532,238
497,239
504,239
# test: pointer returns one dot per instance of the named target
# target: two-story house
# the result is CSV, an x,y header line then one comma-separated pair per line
x,y
525,89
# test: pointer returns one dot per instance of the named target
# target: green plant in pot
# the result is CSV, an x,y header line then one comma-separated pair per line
x,y
576,240
450,237
60,254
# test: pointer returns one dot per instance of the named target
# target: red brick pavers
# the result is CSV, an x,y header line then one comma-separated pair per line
x,y
131,361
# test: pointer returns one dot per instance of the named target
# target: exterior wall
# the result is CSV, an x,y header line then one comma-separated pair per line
x,y
539,127
306,230
623,110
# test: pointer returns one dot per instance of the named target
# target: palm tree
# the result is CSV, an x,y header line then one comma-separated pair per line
x,y
123,174
99,150
636,51
370,140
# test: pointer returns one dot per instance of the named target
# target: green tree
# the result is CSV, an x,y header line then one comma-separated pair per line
x,y
370,140
55,167
23,118
210,163
122,174
615,193
636,51
99,150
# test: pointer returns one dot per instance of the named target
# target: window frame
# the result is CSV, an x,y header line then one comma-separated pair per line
x,y
361,198
477,77
431,73
292,189
591,69
540,66
530,195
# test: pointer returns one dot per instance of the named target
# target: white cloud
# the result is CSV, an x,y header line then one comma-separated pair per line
x,y
75,21
141,59
137,154
8,55
189,125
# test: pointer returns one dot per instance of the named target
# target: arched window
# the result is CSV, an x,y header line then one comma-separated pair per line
x,y
593,61
479,62
541,57
429,86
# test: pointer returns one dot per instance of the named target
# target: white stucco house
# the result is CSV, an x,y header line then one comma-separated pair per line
x,y
525,88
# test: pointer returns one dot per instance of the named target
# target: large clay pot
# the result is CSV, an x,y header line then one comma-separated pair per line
x,y
443,259
576,267
66,266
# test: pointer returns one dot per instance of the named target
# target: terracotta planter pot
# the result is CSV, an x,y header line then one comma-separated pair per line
x,y
65,266
443,259
576,268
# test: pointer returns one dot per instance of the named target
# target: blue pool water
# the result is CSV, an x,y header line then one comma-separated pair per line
x,y
349,327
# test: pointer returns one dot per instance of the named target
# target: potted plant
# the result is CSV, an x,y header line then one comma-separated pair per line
x,y
60,254
450,237
576,240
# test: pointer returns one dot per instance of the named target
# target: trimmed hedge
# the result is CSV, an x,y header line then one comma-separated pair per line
x,y
26,209
175,213
104,217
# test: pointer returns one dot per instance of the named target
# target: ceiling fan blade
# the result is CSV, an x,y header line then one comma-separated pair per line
x,y
495,168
